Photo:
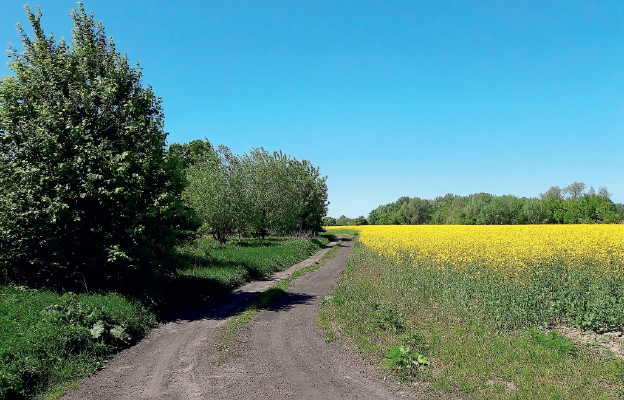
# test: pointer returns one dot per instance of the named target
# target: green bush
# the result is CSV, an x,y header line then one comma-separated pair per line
x,y
87,192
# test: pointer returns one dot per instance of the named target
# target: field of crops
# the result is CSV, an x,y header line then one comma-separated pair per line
x,y
508,248
516,275
486,308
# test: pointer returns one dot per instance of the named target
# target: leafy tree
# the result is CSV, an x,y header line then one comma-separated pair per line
x,y
417,211
456,211
192,153
574,190
475,205
440,204
311,196
390,214
597,209
214,191
504,210
360,221
553,193
577,206
603,192
534,211
285,194
267,192
256,193
553,203
343,221
329,221
88,193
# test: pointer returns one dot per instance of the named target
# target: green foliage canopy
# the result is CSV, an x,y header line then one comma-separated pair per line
x,y
572,205
87,192
256,193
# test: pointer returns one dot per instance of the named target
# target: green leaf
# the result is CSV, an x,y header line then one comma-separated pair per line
x,y
98,329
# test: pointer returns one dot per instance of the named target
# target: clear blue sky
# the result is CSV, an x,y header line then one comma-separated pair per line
x,y
388,98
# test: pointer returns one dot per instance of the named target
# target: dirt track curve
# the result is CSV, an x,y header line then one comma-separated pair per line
x,y
281,356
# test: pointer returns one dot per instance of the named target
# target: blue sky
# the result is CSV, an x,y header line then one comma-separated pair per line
x,y
388,98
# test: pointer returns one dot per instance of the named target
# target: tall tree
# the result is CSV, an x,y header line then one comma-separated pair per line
x,y
214,193
192,153
574,190
88,193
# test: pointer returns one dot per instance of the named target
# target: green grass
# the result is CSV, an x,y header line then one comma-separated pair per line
x,y
344,231
209,270
49,340
242,260
379,305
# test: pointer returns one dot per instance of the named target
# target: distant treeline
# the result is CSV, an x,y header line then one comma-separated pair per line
x,y
251,194
570,205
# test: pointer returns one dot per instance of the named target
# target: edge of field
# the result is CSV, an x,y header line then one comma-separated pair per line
x,y
448,356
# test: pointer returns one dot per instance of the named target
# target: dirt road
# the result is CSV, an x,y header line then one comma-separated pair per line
x,y
282,355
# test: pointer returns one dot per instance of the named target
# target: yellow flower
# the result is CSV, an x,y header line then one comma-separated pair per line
x,y
508,250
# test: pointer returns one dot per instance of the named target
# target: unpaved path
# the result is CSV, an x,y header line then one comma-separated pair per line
x,y
281,356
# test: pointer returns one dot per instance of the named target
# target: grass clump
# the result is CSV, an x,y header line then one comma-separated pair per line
x,y
49,338
404,318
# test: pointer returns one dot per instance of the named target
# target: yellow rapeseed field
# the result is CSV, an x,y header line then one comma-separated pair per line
x,y
511,248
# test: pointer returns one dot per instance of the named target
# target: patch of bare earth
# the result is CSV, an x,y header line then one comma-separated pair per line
x,y
507,385
608,341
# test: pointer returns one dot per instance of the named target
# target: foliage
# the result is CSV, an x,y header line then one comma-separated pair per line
x,y
214,193
208,269
88,194
258,193
192,153
571,205
471,356
346,221
553,340
329,221
48,338
387,318
405,361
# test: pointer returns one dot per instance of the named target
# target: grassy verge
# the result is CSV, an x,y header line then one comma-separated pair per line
x,y
208,270
391,316
344,231
48,339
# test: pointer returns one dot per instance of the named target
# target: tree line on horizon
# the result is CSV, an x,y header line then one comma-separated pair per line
x,y
573,204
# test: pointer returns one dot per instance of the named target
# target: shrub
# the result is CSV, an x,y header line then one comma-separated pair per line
x,y
87,193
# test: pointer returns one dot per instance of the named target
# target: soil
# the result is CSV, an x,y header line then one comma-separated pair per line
x,y
612,342
281,355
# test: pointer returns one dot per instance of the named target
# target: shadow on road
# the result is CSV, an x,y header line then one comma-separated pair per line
x,y
236,302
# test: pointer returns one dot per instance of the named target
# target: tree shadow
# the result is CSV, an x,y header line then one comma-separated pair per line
x,y
236,302
345,239
287,301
